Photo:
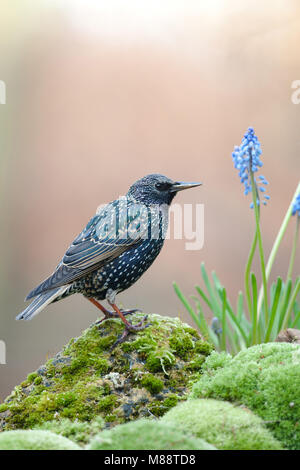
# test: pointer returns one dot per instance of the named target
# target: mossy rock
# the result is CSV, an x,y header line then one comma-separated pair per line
x,y
222,424
34,440
148,434
145,376
264,378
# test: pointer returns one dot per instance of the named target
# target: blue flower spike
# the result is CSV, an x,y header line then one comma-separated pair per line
x,y
296,206
216,327
246,159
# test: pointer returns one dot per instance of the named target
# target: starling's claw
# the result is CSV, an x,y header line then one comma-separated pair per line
x,y
139,327
117,313
129,312
108,314
129,328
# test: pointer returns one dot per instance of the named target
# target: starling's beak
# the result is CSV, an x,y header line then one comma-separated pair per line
x,y
179,186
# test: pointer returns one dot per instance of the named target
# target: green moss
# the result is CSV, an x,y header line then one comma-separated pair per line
x,y
196,363
102,366
171,401
223,425
34,440
264,378
107,404
3,407
215,361
89,379
78,432
188,329
182,345
160,406
152,384
31,377
147,435
111,418
144,344
160,360
157,409
202,347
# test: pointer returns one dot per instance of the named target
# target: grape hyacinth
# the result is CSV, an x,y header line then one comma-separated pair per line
x,y
215,326
246,159
296,206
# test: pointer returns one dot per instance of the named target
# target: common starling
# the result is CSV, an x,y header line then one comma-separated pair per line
x,y
116,247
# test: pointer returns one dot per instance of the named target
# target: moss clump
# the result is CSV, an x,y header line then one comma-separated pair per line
x,y
266,379
182,345
35,440
37,380
171,401
222,425
160,360
107,403
147,435
88,379
196,363
160,406
153,384
78,432
204,348
31,377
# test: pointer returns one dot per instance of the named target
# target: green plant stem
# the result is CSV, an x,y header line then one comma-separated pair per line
x,y
254,319
273,310
293,254
291,304
290,269
276,245
247,277
223,335
260,247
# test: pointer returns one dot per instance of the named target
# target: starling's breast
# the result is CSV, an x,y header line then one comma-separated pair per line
x,y
125,270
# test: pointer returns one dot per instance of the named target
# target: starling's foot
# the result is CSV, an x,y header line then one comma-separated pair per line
x,y
130,328
108,314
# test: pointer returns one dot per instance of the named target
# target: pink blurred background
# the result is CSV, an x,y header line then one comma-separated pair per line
x,y
102,93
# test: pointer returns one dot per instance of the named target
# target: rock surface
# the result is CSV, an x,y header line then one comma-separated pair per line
x,y
290,335
145,376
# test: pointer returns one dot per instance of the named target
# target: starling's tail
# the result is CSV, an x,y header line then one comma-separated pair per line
x,y
40,302
62,275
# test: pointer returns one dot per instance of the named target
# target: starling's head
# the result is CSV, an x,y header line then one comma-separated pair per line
x,y
157,189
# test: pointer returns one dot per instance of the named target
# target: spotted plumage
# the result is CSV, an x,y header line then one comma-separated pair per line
x,y
113,251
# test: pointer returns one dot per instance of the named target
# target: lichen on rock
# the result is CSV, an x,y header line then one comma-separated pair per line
x,y
145,376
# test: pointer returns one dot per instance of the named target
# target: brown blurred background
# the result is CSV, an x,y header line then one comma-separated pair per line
x,y
102,93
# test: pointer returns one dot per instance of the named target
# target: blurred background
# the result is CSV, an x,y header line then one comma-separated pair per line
x,y
102,93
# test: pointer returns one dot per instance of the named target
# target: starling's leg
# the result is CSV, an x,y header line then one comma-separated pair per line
x,y
129,328
107,313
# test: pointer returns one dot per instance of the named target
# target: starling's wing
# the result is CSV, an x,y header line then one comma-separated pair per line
x,y
117,227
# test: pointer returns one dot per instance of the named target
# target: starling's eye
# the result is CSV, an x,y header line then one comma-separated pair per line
x,y
163,186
